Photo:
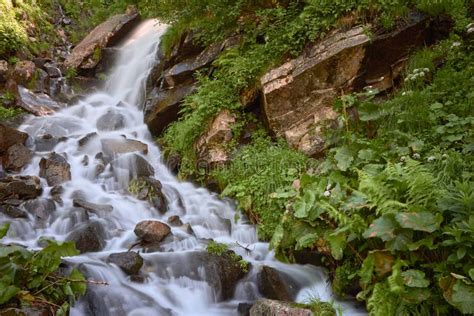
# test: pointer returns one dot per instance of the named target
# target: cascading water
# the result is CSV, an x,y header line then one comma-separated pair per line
x,y
175,281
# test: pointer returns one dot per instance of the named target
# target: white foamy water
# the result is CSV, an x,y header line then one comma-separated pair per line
x,y
175,282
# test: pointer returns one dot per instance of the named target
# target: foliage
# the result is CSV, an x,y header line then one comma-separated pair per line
x,y
220,249
395,211
36,278
260,177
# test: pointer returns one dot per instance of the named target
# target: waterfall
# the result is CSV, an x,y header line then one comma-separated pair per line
x,y
174,280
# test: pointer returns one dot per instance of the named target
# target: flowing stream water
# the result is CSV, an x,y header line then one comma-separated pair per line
x,y
175,281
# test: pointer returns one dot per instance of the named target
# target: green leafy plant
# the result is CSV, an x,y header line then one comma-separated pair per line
x,y
34,278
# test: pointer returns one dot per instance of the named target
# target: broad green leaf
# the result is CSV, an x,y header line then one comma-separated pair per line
x,y
304,204
7,292
277,237
471,274
383,227
415,295
463,297
422,221
415,278
366,154
343,158
366,271
337,243
306,241
4,229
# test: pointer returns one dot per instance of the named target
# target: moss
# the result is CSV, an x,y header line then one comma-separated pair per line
x,y
220,249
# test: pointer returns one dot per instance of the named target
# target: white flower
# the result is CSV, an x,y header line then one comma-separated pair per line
x,y
402,158
416,156
444,156
327,193
431,158
426,69
456,44
328,187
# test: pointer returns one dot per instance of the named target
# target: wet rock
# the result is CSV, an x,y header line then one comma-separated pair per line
x,y
133,165
13,211
47,142
39,104
55,169
210,147
20,187
221,272
89,237
3,71
152,231
129,262
274,285
42,82
86,139
162,107
187,228
9,137
16,157
52,70
175,220
112,147
41,209
25,311
183,71
86,55
40,61
56,193
24,72
149,189
265,307
92,207
244,309
110,121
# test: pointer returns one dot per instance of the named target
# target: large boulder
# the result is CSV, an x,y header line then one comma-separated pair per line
x,y
24,72
16,157
132,166
39,104
114,146
298,96
111,121
89,237
149,189
41,209
275,285
221,272
210,147
87,54
20,187
9,137
55,169
130,262
265,307
162,107
93,207
152,231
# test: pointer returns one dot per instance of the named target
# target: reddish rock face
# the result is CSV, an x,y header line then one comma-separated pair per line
x,y
298,96
86,55
24,72
9,137
55,169
211,145
16,157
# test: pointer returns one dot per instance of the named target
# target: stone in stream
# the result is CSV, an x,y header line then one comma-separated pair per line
x,y
47,142
132,164
39,104
266,307
222,272
175,220
152,231
86,139
149,189
274,285
130,262
113,147
20,187
55,169
89,237
41,209
16,157
9,137
92,207
111,121
13,211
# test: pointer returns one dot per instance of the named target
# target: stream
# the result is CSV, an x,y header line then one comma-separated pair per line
x,y
174,281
